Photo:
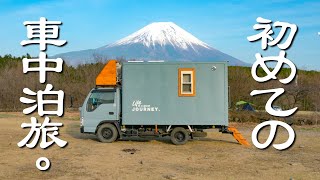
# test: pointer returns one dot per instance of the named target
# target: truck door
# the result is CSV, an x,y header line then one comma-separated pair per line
x,y
100,106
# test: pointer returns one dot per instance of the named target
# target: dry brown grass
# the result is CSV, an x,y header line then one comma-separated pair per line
x,y
300,118
217,156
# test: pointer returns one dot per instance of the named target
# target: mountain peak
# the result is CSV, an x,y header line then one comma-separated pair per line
x,y
161,33
156,41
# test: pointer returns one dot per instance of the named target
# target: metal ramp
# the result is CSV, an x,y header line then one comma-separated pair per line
x,y
237,135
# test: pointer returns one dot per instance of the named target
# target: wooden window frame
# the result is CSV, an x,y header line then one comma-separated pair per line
x,y
180,81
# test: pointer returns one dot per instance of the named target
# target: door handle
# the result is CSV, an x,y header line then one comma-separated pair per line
x,y
111,113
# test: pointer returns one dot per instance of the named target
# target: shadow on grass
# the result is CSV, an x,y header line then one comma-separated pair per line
x,y
214,140
73,130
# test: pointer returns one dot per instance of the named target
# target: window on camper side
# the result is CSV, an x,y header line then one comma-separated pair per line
x,y
186,84
99,97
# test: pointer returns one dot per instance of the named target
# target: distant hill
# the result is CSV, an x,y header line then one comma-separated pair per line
x,y
156,41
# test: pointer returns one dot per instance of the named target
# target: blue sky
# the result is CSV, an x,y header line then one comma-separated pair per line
x,y
224,25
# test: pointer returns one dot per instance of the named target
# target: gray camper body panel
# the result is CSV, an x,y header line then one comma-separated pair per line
x,y
150,94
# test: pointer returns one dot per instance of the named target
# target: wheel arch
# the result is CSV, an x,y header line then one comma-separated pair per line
x,y
182,126
116,123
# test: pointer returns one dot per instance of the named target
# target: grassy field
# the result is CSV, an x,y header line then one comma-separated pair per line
x,y
217,156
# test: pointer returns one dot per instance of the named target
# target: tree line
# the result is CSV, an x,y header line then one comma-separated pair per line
x,y
76,82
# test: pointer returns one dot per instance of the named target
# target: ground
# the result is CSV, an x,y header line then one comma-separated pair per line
x,y
217,156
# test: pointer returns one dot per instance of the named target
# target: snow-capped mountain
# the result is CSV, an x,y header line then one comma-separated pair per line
x,y
156,41
162,33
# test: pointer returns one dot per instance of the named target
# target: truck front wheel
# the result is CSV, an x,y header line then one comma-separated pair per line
x,y
107,133
179,136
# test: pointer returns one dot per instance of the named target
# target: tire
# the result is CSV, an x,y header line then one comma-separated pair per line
x,y
107,133
179,136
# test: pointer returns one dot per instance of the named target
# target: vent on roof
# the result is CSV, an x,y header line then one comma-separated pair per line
x,y
156,61
135,61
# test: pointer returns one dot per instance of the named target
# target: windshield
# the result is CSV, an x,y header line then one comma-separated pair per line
x,y
100,96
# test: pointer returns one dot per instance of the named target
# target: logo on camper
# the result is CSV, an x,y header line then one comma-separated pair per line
x,y
137,105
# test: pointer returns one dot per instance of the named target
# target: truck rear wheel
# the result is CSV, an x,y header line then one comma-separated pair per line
x,y
179,136
107,133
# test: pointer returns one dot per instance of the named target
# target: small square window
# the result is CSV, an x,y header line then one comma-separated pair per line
x,y
186,78
186,82
186,88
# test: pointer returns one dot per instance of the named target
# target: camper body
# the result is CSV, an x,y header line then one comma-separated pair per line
x,y
174,99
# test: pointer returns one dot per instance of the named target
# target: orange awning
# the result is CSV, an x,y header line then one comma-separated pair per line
x,y
108,75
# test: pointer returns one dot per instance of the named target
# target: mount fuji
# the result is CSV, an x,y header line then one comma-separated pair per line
x,y
156,41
